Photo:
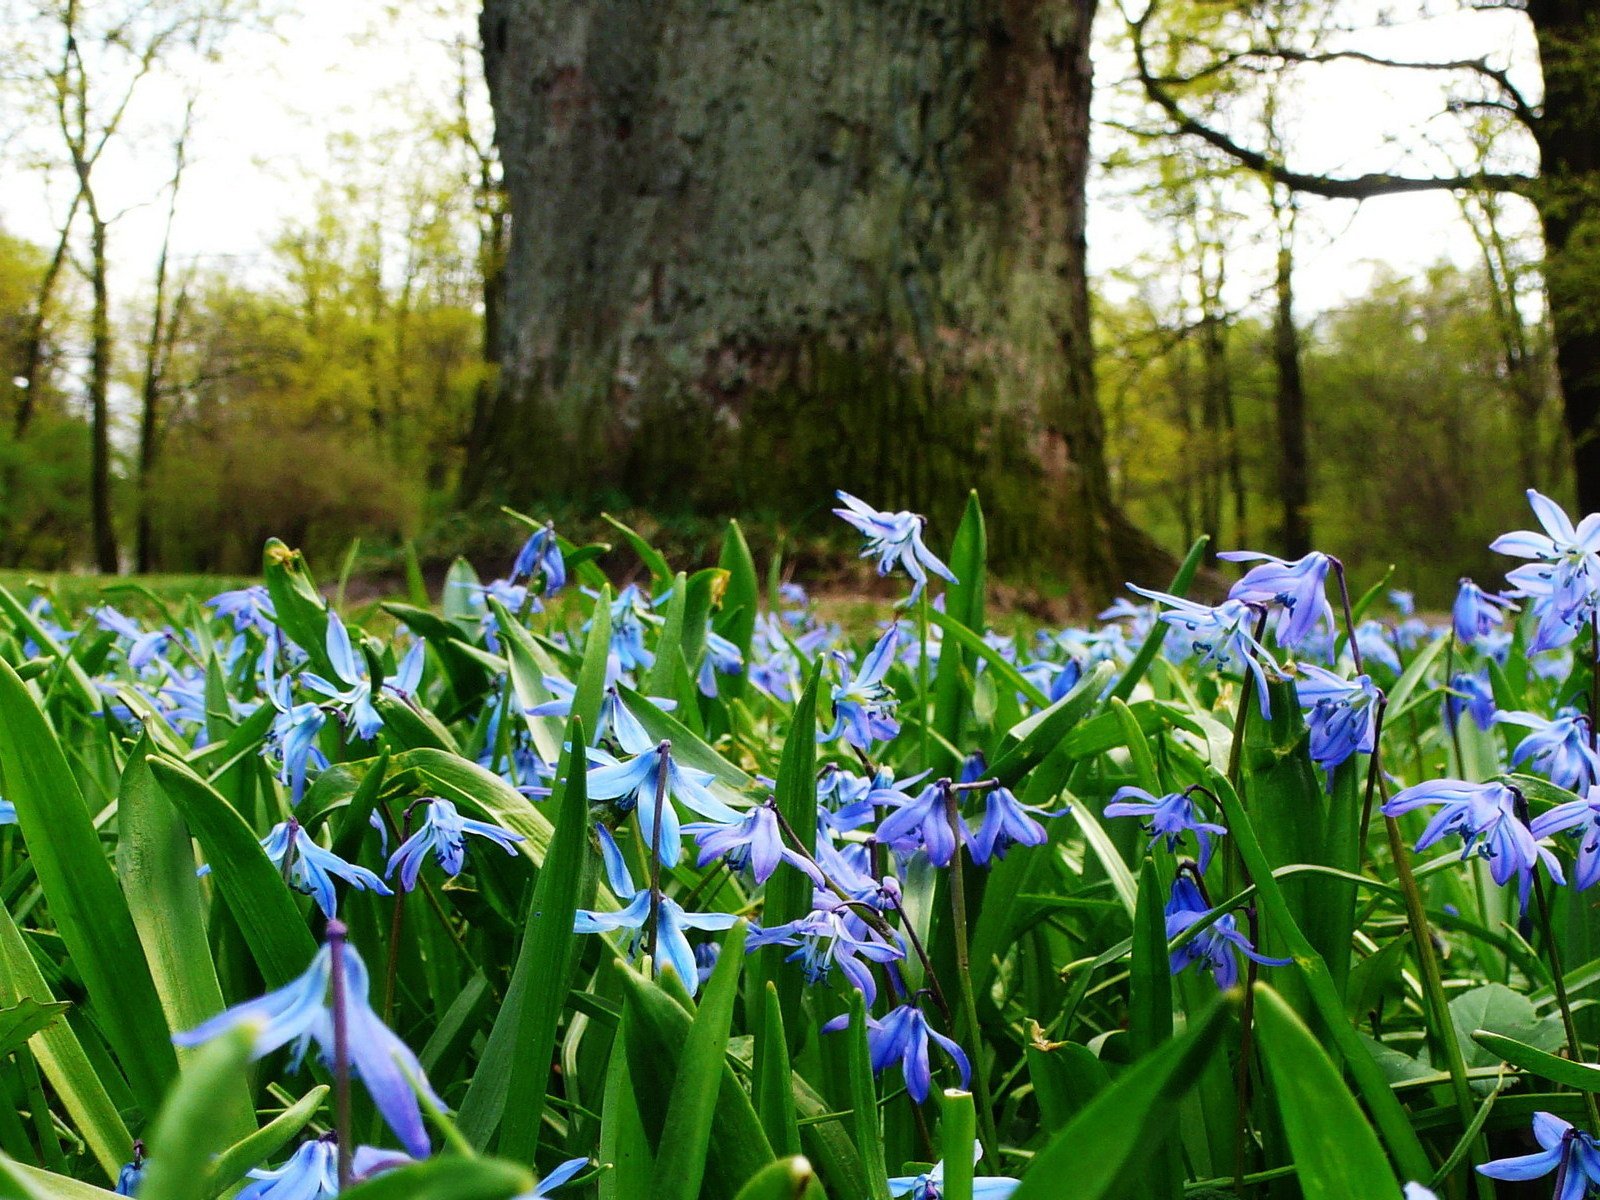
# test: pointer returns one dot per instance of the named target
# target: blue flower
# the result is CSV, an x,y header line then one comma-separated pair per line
x,y
672,944
1221,635
1564,577
353,692
863,705
924,824
559,1176
1170,817
896,540
8,813
541,554
1297,590
1007,822
1559,749
1484,816
722,657
630,613
754,841
930,1184
831,936
444,831
902,1037
616,718
1218,945
1473,695
407,677
1569,1151
312,868
310,1174
1404,602
300,1012
634,783
132,1173
247,607
1477,612
1343,715
1580,820
293,738
146,645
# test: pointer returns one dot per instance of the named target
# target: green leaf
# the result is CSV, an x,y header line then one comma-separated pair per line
x,y
1497,1009
1336,1154
1583,1076
1108,1144
447,1178
155,860
974,644
741,599
545,964
661,681
788,894
963,603
956,1135
1029,742
1065,1078
591,680
786,1179
251,887
24,622
681,1158
260,1146
86,905
1150,982
623,1143
658,1032
61,1056
23,1182
21,1021
864,1120
660,572
774,1093
186,1135
299,609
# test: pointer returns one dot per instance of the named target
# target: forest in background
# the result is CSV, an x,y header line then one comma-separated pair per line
x,y
334,391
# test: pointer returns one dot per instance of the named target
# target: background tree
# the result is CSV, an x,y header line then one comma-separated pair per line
x,y
759,251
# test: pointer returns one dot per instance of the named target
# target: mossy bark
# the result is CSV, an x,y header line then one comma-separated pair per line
x,y
765,248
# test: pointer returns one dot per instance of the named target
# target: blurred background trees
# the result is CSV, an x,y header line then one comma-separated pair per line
x,y
740,262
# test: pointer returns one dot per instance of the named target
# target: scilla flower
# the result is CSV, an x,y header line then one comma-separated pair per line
x,y
312,868
672,944
1218,945
352,693
1579,820
1477,612
541,555
1297,591
634,785
1343,714
896,540
1571,1153
1221,636
1007,822
1484,816
301,1012
902,1038
311,1173
1559,749
444,831
930,1185
863,705
1168,819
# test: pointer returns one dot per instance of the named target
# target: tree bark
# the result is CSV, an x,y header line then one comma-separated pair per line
x,y
1567,197
1289,401
103,526
763,249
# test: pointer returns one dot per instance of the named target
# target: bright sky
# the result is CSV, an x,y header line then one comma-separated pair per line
x,y
271,107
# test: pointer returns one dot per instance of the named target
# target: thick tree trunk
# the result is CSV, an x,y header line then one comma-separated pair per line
x,y
763,249
1567,196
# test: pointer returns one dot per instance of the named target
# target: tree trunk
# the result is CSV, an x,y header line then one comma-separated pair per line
x,y
103,528
1289,404
1567,196
763,249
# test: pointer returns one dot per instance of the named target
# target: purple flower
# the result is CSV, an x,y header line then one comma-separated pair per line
x,y
312,868
1007,822
902,1036
1564,576
1473,695
672,944
863,705
1297,590
1218,945
896,539
831,936
1559,749
1169,818
1580,820
444,831
634,785
352,694
1221,635
924,824
1484,816
541,554
1343,714
754,841
1477,612
1572,1153
300,1012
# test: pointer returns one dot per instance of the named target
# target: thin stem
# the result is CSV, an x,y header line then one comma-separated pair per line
x,y
1594,681
292,830
1241,1142
1372,777
1349,617
341,1051
1559,984
663,765
397,917
969,1000
924,699
1452,718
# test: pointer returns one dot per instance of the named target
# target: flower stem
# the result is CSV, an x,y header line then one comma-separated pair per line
x,y
391,970
1453,719
663,765
341,1051
924,700
969,1001
292,829
1558,983
1247,1012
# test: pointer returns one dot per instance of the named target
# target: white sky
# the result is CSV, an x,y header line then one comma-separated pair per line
x,y
272,105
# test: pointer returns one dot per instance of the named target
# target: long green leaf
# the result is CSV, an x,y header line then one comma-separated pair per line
x,y
786,1179
249,1152
185,1135
88,908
